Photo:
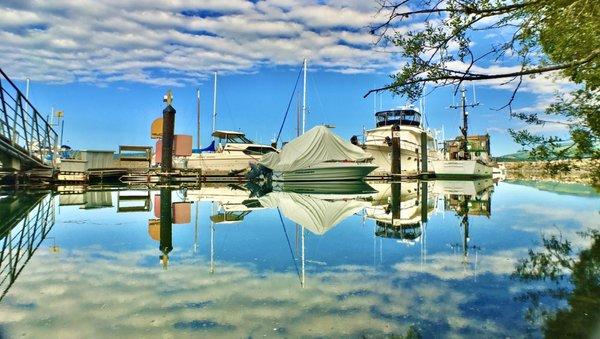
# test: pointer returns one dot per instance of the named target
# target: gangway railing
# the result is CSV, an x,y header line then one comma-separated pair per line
x,y
20,240
24,133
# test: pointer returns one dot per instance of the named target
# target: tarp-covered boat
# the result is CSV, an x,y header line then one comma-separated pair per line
x,y
319,155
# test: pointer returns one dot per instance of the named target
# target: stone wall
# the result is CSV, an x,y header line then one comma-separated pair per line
x,y
580,170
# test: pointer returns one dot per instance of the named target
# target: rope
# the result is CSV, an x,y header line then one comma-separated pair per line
x,y
287,110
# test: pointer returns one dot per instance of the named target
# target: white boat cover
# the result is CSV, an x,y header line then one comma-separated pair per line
x,y
317,145
317,215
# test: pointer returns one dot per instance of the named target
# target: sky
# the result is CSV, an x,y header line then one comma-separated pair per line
x,y
108,63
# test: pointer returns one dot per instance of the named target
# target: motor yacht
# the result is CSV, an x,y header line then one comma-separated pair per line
x,y
378,141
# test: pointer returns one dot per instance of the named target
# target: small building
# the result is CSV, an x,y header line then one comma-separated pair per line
x,y
477,145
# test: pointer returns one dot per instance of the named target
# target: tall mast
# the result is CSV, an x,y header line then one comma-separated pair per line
x,y
214,116
304,100
198,118
465,115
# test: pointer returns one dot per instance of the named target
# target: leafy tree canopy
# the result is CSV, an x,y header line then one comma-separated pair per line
x,y
437,39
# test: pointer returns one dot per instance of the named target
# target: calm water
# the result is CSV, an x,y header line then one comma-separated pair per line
x,y
437,259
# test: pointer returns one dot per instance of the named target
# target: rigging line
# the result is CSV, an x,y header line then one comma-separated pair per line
x,y
316,90
287,110
228,111
288,241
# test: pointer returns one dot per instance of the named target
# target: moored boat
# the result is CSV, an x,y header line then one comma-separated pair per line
x,y
232,153
460,169
378,141
319,155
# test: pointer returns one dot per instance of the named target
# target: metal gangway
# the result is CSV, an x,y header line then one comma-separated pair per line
x,y
26,221
27,140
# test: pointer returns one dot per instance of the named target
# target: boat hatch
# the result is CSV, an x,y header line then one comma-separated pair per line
x,y
408,117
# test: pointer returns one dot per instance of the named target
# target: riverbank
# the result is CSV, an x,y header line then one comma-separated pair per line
x,y
583,171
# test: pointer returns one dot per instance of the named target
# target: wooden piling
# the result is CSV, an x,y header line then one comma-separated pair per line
x,y
424,168
166,163
395,150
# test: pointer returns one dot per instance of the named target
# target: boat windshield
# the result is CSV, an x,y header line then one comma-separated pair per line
x,y
235,139
407,117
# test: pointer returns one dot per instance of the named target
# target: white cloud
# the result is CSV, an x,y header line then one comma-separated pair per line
x,y
103,293
141,41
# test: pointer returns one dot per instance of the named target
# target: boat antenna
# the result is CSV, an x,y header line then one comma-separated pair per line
x,y
304,98
214,116
198,145
375,106
422,111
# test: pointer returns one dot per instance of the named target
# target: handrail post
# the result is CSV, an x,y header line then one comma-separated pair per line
x,y
6,123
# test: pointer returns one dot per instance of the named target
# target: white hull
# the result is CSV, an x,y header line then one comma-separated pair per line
x,y
329,171
221,163
461,169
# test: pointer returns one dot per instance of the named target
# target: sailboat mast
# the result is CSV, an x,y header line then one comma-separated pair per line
x,y
214,115
465,115
304,100
198,118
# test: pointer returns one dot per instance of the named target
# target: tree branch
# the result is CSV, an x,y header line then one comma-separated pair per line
x,y
480,77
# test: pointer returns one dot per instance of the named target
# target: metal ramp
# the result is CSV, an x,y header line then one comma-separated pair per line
x,y
27,140
31,218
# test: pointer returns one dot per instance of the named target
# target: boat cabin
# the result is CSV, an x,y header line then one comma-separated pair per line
x,y
401,116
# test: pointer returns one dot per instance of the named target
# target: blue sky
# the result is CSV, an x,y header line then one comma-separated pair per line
x,y
108,63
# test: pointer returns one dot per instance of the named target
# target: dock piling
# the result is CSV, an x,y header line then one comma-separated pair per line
x,y
166,163
396,149
424,168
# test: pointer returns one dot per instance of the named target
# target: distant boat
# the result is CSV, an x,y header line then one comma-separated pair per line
x,y
378,141
499,172
461,162
319,155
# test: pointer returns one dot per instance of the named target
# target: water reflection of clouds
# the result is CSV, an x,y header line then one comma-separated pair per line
x,y
79,295
102,285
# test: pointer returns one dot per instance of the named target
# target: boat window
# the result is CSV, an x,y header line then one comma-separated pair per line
x,y
235,139
258,150
407,117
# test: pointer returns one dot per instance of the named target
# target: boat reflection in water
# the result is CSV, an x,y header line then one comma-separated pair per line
x,y
25,221
467,198
400,209
293,260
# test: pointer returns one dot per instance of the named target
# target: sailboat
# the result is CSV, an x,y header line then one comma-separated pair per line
x,y
230,152
318,155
